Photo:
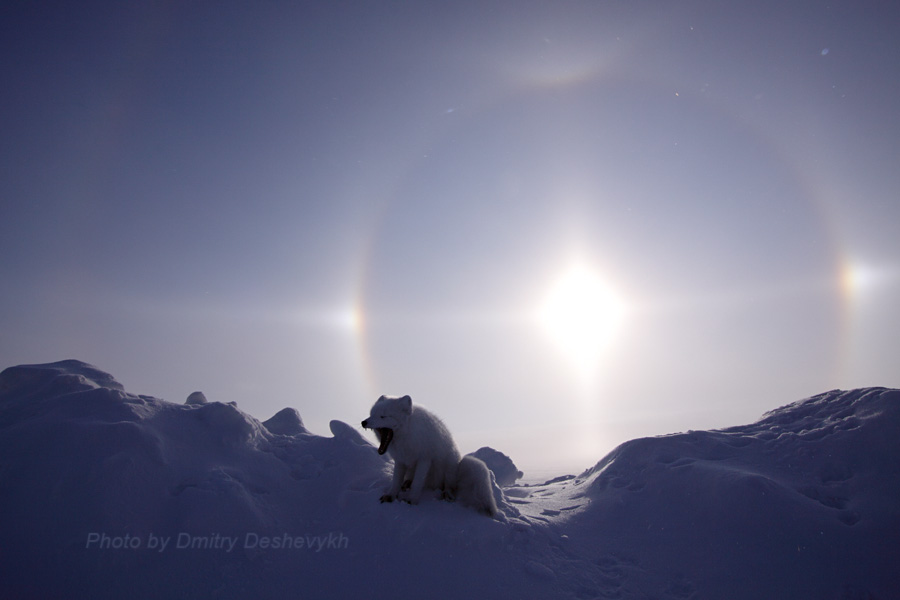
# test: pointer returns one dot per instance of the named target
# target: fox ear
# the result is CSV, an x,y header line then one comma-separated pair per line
x,y
406,404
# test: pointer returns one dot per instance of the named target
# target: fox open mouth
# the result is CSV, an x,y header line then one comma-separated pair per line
x,y
385,435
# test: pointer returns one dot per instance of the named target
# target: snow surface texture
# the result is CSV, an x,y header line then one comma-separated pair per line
x,y
105,494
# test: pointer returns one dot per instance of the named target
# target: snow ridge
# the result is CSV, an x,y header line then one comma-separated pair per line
x,y
105,493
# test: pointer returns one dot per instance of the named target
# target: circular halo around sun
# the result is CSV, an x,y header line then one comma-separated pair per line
x,y
581,314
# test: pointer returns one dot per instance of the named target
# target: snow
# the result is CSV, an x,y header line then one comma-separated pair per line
x,y
196,398
502,466
287,421
110,494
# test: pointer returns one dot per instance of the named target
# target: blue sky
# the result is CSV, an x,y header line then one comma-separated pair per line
x,y
288,204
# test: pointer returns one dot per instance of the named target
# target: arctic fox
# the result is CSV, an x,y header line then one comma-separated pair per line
x,y
425,456
422,448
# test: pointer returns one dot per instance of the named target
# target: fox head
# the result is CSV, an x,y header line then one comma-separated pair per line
x,y
387,415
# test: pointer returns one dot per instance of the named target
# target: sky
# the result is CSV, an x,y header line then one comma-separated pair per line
x,y
559,225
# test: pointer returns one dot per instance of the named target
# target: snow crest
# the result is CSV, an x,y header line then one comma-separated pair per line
x,y
112,494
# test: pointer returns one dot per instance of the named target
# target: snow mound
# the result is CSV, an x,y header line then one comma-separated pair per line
x,y
502,466
342,431
105,493
196,398
287,421
29,380
796,505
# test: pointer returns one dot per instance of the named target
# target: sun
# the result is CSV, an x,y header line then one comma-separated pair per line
x,y
581,314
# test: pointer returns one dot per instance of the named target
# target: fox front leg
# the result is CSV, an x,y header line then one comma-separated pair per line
x,y
396,483
418,481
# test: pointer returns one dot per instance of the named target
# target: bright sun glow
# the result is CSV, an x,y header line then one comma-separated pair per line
x,y
582,313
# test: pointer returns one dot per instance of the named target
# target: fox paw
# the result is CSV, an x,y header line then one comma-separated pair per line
x,y
387,498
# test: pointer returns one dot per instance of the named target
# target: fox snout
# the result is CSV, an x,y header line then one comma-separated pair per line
x,y
365,424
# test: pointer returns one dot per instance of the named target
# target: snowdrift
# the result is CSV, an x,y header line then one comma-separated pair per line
x,y
110,494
